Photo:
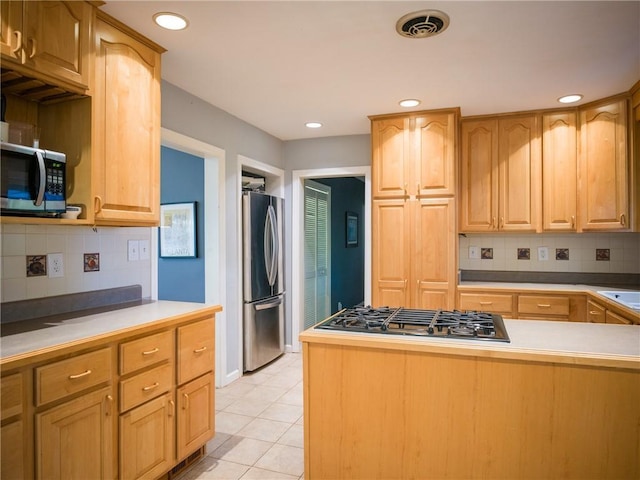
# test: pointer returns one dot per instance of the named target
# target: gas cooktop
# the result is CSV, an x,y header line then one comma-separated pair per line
x,y
470,325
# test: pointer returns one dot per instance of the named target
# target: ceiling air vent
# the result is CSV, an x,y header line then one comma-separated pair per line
x,y
422,24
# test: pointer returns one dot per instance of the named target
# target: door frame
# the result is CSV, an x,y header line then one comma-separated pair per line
x,y
215,273
297,245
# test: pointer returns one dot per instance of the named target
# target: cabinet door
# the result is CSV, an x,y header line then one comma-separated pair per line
x,y
434,157
126,137
479,172
559,172
57,39
196,414
75,439
434,253
390,147
11,34
604,196
595,312
13,452
519,162
147,439
391,257
611,317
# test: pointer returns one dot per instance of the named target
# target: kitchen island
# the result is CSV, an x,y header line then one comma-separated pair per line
x,y
561,400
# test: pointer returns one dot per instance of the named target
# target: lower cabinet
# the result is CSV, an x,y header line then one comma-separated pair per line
x,y
15,452
147,436
75,439
196,415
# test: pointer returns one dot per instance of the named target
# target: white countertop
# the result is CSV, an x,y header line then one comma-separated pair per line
x,y
531,340
61,332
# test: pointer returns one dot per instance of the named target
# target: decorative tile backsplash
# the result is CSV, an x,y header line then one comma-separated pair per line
x,y
583,253
91,260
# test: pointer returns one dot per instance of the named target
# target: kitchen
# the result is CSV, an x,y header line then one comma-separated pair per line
x,y
218,127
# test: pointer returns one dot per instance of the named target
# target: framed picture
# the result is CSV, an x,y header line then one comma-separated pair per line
x,y
178,230
351,229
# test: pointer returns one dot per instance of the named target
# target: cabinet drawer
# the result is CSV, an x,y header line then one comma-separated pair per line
x,y
496,303
611,317
60,379
146,351
543,305
11,395
145,386
195,349
595,312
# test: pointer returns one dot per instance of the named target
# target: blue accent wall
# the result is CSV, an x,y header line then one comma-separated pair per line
x,y
347,263
182,180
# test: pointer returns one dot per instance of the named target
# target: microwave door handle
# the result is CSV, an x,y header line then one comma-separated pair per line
x,y
43,179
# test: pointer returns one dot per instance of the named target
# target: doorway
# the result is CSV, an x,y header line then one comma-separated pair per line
x,y
297,224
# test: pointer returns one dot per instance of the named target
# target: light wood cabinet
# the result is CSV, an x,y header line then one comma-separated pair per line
x,y
414,154
126,127
75,439
196,414
49,40
14,456
414,242
147,439
606,313
559,171
543,307
603,167
501,303
501,174
595,312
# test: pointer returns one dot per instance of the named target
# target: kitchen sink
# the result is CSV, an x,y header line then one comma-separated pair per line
x,y
628,299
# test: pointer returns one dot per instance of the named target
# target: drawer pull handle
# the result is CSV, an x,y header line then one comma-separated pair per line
x,y
150,387
544,305
79,375
593,312
185,405
149,352
623,219
486,303
200,350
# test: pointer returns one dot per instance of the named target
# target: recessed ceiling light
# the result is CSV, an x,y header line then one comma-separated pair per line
x,y
170,21
409,102
575,97
313,124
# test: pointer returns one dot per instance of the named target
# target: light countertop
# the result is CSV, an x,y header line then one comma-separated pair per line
x,y
57,333
616,346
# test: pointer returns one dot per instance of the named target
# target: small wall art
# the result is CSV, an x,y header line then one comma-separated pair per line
x,y
486,253
524,254
562,254
91,262
351,227
178,230
36,265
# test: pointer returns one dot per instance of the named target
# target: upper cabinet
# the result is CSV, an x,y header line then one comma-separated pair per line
x,y
604,167
559,171
50,40
500,174
126,127
414,154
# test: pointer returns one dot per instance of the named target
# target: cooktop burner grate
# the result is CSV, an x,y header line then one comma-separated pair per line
x,y
425,323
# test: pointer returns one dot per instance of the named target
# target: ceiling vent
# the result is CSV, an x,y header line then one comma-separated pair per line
x,y
422,24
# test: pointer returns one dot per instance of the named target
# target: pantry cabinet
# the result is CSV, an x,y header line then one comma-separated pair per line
x,y
500,174
49,40
413,177
126,127
604,167
559,171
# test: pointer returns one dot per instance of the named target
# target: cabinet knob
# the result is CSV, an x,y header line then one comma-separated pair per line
x,y
33,43
623,219
573,221
172,407
185,405
18,35
97,204
109,403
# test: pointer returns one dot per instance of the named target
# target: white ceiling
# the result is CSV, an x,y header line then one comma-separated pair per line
x,y
279,64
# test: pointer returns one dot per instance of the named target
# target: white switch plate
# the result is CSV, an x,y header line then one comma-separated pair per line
x,y
474,252
144,250
133,247
543,254
55,265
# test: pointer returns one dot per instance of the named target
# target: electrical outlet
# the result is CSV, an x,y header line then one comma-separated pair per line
x,y
474,252
133,247
144,250
543,254
55,265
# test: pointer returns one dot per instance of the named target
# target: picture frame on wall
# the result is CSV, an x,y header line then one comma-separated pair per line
x,y
351,227
178,230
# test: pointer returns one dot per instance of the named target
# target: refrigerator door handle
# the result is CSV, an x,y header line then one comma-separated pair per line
x,y
267,306
271,245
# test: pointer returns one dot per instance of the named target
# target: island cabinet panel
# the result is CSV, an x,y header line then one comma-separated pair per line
x,y
126,123
559,171
457,416
604,175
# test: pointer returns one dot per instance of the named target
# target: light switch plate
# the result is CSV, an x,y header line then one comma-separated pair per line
x,y
133,247
55,265
474,252
543,254
144,250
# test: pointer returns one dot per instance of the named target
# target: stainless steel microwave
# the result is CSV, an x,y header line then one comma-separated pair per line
x,y
33,181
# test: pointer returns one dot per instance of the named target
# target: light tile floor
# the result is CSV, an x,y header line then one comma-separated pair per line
x,y
258,426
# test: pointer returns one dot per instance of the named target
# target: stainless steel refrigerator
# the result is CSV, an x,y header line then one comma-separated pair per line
x,y
262,230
